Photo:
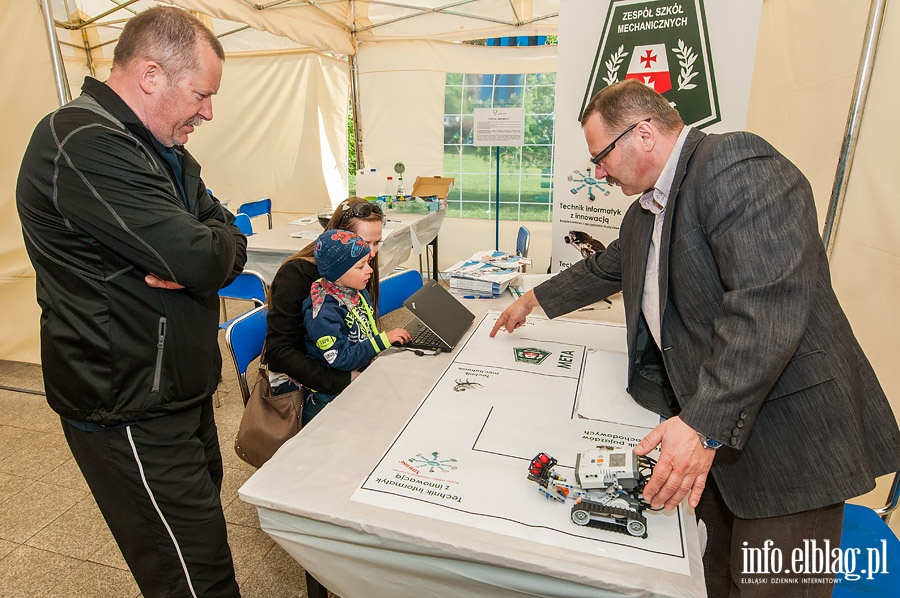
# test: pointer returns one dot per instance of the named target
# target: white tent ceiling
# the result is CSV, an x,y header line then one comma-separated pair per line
x,y
336,26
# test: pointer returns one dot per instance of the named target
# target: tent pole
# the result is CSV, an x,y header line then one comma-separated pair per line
x,y
357,126
87,53
854,120
59,70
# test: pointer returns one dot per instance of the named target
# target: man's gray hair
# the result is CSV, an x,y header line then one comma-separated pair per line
x,y
168,36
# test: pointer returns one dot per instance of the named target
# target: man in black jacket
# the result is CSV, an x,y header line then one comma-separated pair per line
x,y
130,251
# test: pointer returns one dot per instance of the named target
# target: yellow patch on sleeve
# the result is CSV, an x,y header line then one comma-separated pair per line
x,y
325,342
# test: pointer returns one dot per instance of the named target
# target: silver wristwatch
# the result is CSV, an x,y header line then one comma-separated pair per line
x,y
709,443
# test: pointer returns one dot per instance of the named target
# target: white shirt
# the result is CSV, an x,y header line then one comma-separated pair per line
x,y
655,200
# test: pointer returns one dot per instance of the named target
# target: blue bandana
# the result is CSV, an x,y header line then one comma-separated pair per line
x,y
337,251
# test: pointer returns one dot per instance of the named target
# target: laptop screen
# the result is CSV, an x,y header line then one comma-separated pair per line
x,y
438,309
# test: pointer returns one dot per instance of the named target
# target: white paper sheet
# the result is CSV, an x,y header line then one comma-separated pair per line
x,y
311,235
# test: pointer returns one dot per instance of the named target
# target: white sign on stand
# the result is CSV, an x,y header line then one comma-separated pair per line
x,y
499,127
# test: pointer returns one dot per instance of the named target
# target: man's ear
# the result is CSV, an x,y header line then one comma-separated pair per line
x,y
150,76
647,135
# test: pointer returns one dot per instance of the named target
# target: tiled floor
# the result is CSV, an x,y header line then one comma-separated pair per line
x,y
53,540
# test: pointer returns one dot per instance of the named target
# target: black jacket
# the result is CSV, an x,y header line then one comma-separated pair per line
x,y
286,334
100,210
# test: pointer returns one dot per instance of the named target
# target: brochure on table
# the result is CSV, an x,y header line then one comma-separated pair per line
x,y
493,266
556,387
487,272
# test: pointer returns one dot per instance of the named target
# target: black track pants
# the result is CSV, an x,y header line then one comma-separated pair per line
x,y
157,484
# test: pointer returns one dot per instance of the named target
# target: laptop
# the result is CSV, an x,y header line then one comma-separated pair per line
x,y
440,319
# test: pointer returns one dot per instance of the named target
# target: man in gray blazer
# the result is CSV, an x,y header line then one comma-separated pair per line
x,y
735,336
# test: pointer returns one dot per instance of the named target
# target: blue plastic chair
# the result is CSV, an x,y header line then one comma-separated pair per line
x,y
248,286
244,338
523,242
242,221
866,530
257,208
397,288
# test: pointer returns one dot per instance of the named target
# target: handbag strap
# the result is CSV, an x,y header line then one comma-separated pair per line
x,y
263,366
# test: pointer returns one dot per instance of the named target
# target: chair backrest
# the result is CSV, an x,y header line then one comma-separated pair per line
x,y
866,529
248,285
864,533
242,221
257,208
893,499
397,288
244,338
523,242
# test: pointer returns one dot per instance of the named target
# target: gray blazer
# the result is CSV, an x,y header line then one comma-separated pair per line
x,y
756,351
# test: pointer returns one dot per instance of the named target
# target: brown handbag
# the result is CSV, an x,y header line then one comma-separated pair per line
x,y
268,421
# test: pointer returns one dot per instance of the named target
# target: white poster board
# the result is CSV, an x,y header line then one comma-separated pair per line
x,y
556,387
499,127
676,45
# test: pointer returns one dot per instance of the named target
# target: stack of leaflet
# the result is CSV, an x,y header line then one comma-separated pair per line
x,y
485,274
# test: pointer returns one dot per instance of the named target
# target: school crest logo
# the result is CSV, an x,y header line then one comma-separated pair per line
x,y
531,355
663,44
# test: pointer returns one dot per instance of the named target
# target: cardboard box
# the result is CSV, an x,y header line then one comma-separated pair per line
x,y
427,186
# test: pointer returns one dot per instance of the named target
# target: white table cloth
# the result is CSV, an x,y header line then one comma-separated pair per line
x,y
303,496
404,234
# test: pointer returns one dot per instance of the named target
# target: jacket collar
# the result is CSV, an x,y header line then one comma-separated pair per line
x,y
693,140
116,106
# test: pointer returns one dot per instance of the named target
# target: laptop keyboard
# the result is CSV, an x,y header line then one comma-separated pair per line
x,y
426,337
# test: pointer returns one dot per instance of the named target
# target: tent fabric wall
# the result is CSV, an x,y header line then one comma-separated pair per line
x,y
279,130
806,64
401,88
27,95
865,264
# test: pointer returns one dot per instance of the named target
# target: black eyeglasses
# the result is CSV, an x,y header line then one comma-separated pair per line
x,y
359,210
605,151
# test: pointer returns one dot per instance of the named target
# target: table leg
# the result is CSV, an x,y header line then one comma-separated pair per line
x,y
314,589
434,258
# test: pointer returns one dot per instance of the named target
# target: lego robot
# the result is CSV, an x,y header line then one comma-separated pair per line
x,y
607,489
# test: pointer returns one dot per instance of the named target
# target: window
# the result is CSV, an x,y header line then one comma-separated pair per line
x,y
526,173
